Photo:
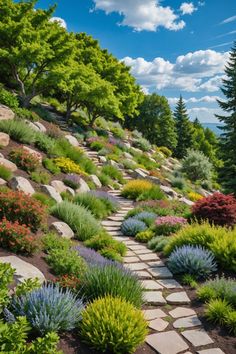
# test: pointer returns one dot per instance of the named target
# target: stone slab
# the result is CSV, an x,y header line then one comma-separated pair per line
x,y
158,324
182,312
137,266
211,351
151,285
167,342
23,270
155,264
160,273
153,313
154,298
149,257
187,322
197,337
142,251
131,259
142,274
138,247
178,298
169,283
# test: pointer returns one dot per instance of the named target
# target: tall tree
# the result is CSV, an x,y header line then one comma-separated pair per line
x,y
155,121
228,138
31,45
184,129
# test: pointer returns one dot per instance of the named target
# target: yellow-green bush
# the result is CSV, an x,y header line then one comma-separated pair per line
x,y
113,325
144,236
68,166
135,188
194,196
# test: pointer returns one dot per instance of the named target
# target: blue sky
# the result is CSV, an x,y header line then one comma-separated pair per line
x,y
173,47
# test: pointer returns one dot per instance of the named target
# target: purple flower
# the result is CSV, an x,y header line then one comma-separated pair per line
x,y
106,196
170,220
92,257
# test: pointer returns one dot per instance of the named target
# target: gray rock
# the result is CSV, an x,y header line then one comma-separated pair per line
x,y
136,266
72,140
2,182
51,192
21,184
143,274
8,164
23,270
178,298
182,312
62,229
139,173
158,324
83,187
102,159
4,139
154,298
149,257
160,272
169,283
187,322
40,126
32,125
197,337
150,284
186,201
211,351
6,113
167,343
61,187
128,156
153,313
169,191
96,181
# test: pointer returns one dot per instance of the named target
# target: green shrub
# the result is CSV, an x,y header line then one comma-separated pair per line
x,y
230,322
110,253
18,131
197,166
113,325
217,311
142,144
167,152
129,164
45,143
144,236
27,286
112,280
105,241
44,199
113,173
8,99
6,278
5,173
94,204
158,243
135,188
40,177
219,240
178,182
155,193
53,242
66,261
78,218
104,179
50,165
145,161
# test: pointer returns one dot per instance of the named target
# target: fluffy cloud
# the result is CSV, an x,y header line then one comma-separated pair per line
x,y
142,14
60,20
187,8
205,114
197,71
206,99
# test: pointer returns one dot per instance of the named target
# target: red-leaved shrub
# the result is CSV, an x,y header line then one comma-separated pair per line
x,y
25,159
69,281
18,206
218,208
16,237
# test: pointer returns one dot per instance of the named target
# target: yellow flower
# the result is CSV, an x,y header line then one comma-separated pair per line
x,y
194,196
68,166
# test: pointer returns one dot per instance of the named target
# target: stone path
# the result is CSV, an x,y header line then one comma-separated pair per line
x,y
174,326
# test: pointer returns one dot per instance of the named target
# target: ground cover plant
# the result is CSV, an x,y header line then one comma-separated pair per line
x,y
66,165
113,172
18,131
96,205
113,324
5,173
142,190
218,209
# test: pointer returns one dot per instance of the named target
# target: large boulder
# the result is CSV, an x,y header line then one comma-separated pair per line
x,y
33,152
6,113
51,192
96,181
21,184
61,187
169,191
140,173
23,270
127,155
186,201
4,139
83,187
72,140
62,229
40,126
8,164
102,159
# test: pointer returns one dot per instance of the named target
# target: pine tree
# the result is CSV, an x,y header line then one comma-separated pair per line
x,y
184,129
228,138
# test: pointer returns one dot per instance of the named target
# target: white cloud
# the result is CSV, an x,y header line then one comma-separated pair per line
x,y
205,114
187,8
197,71
60,20
228,20
142,14
206,99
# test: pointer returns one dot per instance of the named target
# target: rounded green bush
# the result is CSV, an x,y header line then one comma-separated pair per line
x,y
111,324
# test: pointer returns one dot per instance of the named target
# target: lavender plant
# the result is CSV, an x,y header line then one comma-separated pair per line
x,y
72,180
132,226
110,201
49,308
192,260
91,257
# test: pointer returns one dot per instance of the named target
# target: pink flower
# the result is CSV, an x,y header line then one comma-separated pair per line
x,y
170,220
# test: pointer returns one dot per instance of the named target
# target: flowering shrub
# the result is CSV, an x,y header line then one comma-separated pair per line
x,y
111,202
166,225
193,260
68,281
111,324
18,206
218,208
49,309
16,237
68,166
24,159
72,180
194,196
92,257
132,226
135,188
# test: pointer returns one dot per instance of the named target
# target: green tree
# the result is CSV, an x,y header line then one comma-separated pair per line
x,y
184,129
228,138
155,121
30,46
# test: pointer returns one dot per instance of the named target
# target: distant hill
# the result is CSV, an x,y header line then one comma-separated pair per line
x,y
213,127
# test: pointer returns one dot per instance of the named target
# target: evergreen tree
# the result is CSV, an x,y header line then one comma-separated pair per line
x,y
184,129
228,138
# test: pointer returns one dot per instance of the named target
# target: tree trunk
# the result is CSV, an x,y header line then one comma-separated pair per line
x,y
68,113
